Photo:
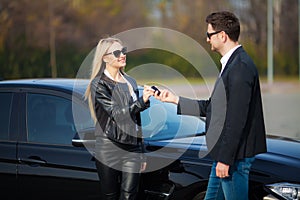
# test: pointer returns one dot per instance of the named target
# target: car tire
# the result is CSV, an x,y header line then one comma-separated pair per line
x,y
200,196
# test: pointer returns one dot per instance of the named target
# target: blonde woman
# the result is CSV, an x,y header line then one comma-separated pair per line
x,y
115,106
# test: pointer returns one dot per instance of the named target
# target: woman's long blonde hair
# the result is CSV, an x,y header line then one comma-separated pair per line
x,y
98,66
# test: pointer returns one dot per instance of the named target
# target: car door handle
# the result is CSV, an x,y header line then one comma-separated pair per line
x,y
33,161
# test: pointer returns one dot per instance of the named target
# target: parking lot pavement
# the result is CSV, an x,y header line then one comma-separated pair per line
x,y
281,104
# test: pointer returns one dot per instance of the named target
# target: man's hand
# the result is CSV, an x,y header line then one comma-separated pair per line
x,y
222,170
166,96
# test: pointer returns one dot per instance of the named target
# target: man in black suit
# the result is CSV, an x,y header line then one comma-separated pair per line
x,y
235,130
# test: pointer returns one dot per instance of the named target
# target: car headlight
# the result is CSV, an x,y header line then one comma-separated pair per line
x,y
287,191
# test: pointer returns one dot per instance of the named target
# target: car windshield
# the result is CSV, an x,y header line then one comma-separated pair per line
x,y
161,122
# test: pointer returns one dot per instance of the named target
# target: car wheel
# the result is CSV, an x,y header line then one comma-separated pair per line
x,y
200,196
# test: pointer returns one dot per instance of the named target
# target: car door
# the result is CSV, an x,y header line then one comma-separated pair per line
x,y
8,144
49,166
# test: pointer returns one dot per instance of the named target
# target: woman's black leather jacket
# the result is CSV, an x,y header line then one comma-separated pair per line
x,y
117,114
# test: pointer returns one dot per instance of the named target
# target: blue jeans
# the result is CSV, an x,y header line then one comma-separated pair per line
x,y
233,187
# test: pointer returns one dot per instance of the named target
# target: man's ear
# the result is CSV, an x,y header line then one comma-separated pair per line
x,y
224,36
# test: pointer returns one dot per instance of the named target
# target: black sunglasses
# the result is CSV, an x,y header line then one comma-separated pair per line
x,y
117,53
211,34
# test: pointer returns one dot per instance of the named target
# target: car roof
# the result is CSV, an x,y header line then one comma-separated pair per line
x,y
66,84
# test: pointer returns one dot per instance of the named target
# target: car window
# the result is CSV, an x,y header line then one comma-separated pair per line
x,y
5,110
82,117
49,119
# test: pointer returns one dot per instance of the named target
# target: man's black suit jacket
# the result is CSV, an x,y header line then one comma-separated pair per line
x,y
234,115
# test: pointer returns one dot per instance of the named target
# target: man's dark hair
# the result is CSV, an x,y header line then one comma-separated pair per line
x,y
225,21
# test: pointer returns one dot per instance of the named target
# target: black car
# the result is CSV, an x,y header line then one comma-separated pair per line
x,y
46,149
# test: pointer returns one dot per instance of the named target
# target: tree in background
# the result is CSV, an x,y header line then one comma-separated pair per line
x,y
37,35
67,30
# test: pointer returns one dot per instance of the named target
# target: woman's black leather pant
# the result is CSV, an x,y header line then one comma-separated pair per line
x,y
118,171
118,185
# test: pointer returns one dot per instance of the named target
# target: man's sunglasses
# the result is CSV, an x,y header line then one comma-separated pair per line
x,y
117,53
211,34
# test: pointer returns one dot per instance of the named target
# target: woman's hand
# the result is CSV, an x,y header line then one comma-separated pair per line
x,y
147,93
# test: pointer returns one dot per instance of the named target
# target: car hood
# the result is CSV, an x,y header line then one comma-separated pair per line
x,y
276,145
285,146
281,163
282,149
